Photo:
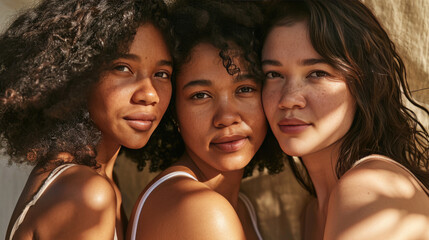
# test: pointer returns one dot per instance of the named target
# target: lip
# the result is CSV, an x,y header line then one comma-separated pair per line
x,y
293,125
140,121
231,143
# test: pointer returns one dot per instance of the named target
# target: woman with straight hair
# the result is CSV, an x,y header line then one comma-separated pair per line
x,y
334,95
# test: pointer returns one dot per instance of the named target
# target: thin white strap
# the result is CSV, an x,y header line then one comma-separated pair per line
x,y
252,213
387,159
148,192
116,235
52,176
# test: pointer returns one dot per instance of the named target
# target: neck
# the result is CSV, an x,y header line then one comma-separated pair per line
x,y
107,153
321,168
225,183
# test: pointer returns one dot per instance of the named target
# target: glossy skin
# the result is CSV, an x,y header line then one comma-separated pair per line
x,y
129,101
220,118
85,203
310,109
307,101
222,123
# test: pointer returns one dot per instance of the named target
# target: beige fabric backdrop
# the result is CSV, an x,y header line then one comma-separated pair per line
x,y
278,199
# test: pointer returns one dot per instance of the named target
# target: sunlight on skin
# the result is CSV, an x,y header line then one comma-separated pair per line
x,y
402,186
393,221
294,90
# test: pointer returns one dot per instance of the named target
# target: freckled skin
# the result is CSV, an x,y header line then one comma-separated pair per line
x,y
377,199
323,100
211,106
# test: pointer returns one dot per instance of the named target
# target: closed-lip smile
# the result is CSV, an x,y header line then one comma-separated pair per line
x,y
140,121
230,143
293,125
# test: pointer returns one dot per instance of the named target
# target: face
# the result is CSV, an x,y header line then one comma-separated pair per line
x,y
307,102
130,99
220,116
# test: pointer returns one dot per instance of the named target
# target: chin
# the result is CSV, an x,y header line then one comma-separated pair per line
x,y
291,151
234,164
136,145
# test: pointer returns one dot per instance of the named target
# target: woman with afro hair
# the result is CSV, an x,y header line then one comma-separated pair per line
x,y
220,126
78,80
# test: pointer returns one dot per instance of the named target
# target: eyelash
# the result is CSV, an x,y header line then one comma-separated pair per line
x,y
317,72
272,73
203,95
119,66
252,89
325,74
196,95
167,75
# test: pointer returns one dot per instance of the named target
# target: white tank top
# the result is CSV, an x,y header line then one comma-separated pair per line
x,y
52,176
243,197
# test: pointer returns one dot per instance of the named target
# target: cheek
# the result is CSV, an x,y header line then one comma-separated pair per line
x,y
164,94
193,127
270,101
335,110
190,118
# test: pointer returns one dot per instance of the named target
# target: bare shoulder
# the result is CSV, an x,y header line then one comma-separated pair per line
x,y
381,178
182,208
375,200
80,199
83,185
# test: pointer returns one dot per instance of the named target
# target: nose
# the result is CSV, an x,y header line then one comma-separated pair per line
x,y
145,93
226,114
293,95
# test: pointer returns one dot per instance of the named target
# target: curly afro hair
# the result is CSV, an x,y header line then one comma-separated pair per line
x,y
50,56
229,26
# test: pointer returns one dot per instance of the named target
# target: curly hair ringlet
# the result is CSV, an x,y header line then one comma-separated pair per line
x,y
50,56
229,26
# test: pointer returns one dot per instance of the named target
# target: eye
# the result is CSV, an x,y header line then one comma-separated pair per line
x,y
319,74
246,89
122,68
162,75
200,95
271,75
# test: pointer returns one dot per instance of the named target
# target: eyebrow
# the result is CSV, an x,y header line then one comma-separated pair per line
x,y
165,63
137,58
313,61
305,62
130,56
198,82
205,82
243,77
271,62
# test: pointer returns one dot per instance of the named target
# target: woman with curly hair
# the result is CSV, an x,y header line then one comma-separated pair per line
x,y
218,109
333,95
78,80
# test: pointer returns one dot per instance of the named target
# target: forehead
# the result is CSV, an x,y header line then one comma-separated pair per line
x,y
149,40
205,63
290,40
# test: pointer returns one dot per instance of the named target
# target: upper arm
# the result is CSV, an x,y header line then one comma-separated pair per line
x,y
377,201
183,209
79,205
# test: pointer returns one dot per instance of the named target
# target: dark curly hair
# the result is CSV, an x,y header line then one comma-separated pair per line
x,y
49,58
229,26
350,38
